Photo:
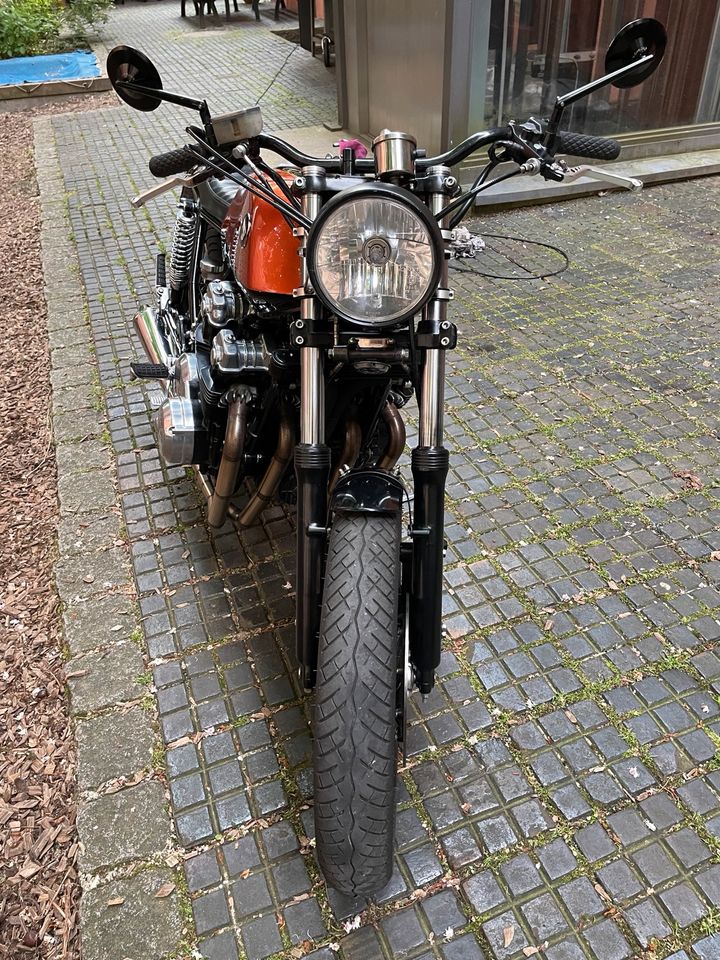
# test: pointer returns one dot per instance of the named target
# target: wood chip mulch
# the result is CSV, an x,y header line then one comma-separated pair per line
x,y
39,886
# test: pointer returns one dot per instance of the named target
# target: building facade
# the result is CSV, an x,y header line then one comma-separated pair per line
x,y
446,68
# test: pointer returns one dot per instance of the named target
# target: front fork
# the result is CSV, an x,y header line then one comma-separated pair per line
x,y
312,469
429,469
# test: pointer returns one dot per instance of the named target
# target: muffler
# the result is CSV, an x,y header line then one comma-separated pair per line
x,y
157,345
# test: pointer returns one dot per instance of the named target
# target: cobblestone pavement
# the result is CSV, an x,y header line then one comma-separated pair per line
x,y
563,787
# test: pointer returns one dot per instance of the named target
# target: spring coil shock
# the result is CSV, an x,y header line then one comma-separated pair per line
x,y
182,246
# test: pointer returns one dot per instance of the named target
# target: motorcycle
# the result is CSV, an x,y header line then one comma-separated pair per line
x,y
303,307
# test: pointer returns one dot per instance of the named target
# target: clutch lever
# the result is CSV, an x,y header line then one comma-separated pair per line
x,y
575,173
180,180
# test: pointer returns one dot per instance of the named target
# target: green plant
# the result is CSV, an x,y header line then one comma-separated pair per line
x,y
28,27
32,27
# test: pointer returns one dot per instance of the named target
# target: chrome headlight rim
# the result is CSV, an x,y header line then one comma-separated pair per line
x,y
402,196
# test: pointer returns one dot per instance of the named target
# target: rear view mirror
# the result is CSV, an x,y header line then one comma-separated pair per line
x,y
636,40
128,67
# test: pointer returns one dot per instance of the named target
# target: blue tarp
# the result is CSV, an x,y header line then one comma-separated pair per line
x,y
76,65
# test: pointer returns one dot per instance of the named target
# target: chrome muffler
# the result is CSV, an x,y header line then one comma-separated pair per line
x,y
156,343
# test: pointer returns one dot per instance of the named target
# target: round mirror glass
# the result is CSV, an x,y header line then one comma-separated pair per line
x,y
634,41
127,66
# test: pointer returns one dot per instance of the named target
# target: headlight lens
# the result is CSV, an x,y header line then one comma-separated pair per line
x,y
374,258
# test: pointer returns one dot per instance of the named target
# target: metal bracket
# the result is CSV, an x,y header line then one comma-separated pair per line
x,y
443,339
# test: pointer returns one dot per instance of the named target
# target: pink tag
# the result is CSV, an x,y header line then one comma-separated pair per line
x,y
357,148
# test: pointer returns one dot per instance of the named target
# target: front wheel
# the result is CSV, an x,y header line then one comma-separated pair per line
x,y
355,721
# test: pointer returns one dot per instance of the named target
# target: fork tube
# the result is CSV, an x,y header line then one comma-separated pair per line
x,y
429,469
312,468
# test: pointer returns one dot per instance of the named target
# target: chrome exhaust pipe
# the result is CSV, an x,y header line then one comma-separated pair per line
x,y
154,340
232,457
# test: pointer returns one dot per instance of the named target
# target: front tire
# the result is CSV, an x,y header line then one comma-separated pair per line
x,y
355,741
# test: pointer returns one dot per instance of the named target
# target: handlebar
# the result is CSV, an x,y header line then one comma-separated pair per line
x,y
575,144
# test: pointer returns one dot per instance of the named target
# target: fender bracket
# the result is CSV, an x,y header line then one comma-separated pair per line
x,y
368,491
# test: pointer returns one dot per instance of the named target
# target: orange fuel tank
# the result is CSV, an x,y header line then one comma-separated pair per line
x,y
263,250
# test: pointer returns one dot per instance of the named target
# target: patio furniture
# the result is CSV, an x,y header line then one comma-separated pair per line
x,y
208,6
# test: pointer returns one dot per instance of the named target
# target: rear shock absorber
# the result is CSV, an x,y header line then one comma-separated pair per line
x,y
183,242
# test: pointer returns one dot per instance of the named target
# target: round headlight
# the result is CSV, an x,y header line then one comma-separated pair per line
x,y
374,255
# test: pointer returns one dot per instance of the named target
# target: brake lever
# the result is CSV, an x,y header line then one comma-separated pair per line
x,y
575,173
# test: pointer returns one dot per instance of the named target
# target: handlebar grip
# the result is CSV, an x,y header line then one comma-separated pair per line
x,y
579,145
174,161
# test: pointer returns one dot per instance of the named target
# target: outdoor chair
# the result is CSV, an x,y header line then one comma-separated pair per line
x,y
208,6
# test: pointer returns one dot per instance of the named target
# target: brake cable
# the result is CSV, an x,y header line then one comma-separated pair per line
x,y
454,263
471,194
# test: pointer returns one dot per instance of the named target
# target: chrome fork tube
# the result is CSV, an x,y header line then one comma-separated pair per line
x,y
429,468
312,384
432,386
312,469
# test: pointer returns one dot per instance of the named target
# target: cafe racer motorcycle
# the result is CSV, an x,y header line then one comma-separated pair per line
x,y
303,306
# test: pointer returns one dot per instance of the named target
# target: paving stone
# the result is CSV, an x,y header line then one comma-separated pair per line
x,y
612,436
202,871
619,880
261,937
595,842
87,574
98,680
113,932
494,930
304,921
647,922
606,941
483,893
708,948
443,912
222,946
557,859
251,895
98,622
544,917
115,745
210,911
683,905
580,898
362,944
403,931
108,826
87,493
462,948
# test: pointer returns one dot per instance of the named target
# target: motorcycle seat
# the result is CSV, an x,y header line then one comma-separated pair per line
x,y
216,195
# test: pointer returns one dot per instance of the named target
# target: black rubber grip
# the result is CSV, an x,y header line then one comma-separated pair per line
x,y
580,145
174,161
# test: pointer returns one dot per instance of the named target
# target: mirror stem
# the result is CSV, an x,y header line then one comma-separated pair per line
x,y
164,95
594,85
568,98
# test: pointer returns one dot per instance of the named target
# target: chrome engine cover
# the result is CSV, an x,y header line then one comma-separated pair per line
x,y
181,435
218,303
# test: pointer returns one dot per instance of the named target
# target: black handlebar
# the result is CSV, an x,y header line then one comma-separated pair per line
x,y
575,144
